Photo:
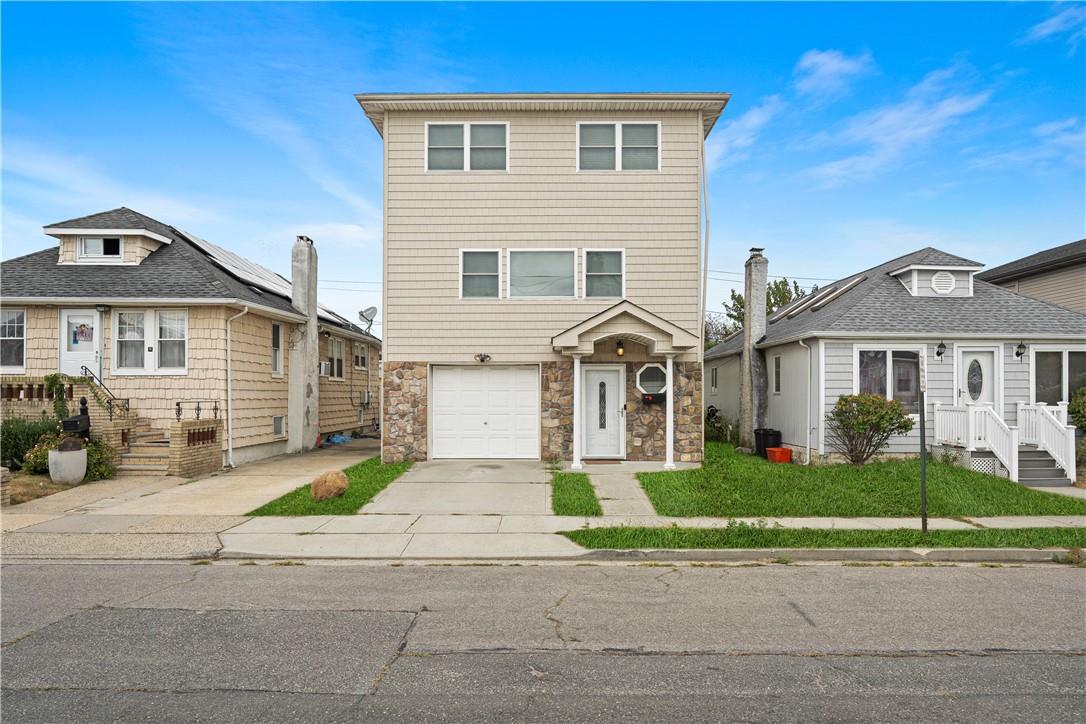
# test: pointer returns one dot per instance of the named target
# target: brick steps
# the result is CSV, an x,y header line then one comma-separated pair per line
x,y
148,451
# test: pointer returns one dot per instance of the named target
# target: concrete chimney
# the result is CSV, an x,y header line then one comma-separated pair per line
x,y
752,368
303,397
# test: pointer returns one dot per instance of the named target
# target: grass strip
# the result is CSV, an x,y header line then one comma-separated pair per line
x,y
744,536
364,480
731,484
572,494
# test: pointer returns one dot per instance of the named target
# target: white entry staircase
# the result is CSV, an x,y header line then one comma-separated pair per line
x,y
1039,450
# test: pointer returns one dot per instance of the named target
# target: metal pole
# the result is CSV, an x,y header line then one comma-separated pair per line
x,y
923,468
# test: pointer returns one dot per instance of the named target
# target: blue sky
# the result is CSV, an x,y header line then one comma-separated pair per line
x,y
856,132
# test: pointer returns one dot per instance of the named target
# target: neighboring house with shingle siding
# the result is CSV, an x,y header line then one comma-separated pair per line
x,y
1056,275
991,358
164,320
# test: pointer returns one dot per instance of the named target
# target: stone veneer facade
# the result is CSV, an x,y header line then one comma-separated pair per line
x,y
403,429
556,401
646,424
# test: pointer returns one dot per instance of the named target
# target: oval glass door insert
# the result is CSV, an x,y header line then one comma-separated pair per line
x,y
975,379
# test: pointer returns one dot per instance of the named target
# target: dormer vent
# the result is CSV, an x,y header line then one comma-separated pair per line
x,y
942,282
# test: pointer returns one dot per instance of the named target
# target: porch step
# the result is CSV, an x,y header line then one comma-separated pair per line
x,y
126,468
1036,467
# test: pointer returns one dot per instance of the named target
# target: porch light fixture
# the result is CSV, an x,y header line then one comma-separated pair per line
x,y
482,357
940,351
101,307
1020,350
619,349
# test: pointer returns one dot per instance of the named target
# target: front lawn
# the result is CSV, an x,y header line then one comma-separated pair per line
x,y
747,536
364,480
732,484
572,494
28,486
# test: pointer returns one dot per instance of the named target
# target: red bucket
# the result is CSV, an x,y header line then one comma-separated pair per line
x,y
778,454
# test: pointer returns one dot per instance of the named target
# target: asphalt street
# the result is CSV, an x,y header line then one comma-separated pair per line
x,y
230,642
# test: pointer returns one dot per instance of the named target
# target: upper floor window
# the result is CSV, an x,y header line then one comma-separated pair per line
x,y
335,358
542,273
479,274
485,146
618,147
95,248
603,274
13,341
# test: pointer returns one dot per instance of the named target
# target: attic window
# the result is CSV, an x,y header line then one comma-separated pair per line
x,y
100,248
942,282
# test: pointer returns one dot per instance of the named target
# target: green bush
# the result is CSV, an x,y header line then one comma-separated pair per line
x,y
19,435
1076,410
861,425
100,457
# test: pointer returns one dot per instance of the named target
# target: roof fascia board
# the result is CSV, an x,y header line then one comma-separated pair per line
x,y
994,276
70,231
154,302
912,335
937,267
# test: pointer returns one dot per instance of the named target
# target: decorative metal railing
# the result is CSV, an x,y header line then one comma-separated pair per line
x,y
119,406
197,408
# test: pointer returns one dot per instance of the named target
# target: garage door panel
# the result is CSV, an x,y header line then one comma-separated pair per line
x,y
485,412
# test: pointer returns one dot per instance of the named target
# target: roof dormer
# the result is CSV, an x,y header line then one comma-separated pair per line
x,y
120,236
937,274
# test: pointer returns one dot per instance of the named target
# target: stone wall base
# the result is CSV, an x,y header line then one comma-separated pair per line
x,y
195,447
404,412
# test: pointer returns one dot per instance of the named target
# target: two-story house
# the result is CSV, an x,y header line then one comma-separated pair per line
x,y
544,258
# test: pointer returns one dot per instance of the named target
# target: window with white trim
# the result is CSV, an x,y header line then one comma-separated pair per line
x,y
361,354
651,379
130,338
335,358
1058,374
97,248
479,274
893,374
172,340
542,273
603,274
486,146
618,146
13,341
776,374
277,349
150,341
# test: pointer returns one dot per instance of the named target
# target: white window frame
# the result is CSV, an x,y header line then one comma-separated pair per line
x,y
509,277
466,125
460,256
584,272
333,342
776,366
282,425
1065,371
150,356
20,369
642,368
889,349
712,379
618,146
277,352
84,258
355,347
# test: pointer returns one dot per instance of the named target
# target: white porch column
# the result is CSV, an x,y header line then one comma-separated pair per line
x,y
576,465
669,402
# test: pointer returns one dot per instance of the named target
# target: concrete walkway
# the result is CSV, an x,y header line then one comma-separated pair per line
x,y
468,487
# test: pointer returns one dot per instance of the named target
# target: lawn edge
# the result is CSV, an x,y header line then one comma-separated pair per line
x,y
408,464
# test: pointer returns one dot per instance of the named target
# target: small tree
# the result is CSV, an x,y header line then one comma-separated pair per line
x,y
1076,411
860,425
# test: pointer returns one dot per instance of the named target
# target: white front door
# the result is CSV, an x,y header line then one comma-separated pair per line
x,y
977,381
604,422
485,412
80,341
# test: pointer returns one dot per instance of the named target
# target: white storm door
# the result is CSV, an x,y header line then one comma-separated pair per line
x,y
604,421
977,377
80,341
485,412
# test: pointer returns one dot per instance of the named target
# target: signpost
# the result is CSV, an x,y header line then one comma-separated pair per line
x,y
923,446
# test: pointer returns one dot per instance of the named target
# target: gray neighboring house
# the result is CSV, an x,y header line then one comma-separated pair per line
x,y
1000,367
1056,275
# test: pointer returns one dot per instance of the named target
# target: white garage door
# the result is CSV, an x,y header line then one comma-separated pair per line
x,y
485,412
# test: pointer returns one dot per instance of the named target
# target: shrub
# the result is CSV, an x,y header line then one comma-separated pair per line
x,y
100,457
860,425
19,435
1076,411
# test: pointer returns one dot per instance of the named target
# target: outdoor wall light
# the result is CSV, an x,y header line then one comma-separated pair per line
x,y
1020,350
619,349
940,351
482,357
101,307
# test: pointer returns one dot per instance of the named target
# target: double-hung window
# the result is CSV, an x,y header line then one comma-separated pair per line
x,y
479,274
171,339
95,248
603,272
893,374
466,146
277,349
13,341
1057,374
335,358
150,341
360,354
542,273
131,335
618,147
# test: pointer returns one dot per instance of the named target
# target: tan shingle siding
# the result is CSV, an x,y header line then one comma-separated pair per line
x,y
1065,287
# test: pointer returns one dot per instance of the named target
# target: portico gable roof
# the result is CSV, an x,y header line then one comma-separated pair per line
x,y
625,320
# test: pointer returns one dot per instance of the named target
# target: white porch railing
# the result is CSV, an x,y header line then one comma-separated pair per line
x,y
1047,428
978,427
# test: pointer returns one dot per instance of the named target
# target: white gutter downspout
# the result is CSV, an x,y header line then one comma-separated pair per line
x,y
807,459
230,390
704,203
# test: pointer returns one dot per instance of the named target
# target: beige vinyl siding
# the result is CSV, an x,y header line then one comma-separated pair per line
x,y
340,399
258,394
41,347
541,202
1065,287
134,249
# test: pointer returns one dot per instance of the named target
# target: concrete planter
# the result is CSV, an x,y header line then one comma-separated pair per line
x,y
67,466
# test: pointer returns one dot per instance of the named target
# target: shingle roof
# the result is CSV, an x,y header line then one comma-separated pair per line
x,y
1057,256
880,304
119,218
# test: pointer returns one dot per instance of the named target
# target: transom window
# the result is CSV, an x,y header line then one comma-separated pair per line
x,y
13,341
893,374
486,146
149,341
603,274
93,247
542,273
479,274
1058,374
618,147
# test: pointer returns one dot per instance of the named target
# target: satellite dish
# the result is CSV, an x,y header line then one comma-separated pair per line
x,y
367,315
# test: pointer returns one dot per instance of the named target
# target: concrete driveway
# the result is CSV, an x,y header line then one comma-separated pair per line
x,y
468,487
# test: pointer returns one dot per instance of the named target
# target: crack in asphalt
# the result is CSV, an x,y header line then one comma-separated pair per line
x,y
399,651
548,613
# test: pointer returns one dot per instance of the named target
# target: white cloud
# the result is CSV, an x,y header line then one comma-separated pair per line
x,y
1069,22
731,142
1055,142
827,73
887,133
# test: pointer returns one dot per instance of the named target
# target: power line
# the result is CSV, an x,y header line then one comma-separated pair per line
x,y
772,276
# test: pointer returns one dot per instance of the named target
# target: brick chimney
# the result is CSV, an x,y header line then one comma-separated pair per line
x,y
303,396
752,368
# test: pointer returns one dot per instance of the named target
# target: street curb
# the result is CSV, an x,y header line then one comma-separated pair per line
x,y
960,555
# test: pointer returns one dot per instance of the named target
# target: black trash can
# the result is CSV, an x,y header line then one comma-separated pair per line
x,y
766,437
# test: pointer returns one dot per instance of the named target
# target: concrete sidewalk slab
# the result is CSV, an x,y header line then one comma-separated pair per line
x,y
279,545
276,524
542,523
1038,521
619,492
490,545
124,546
463,498
477,471
89,524
456,524
369,524
1068,490
17,521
